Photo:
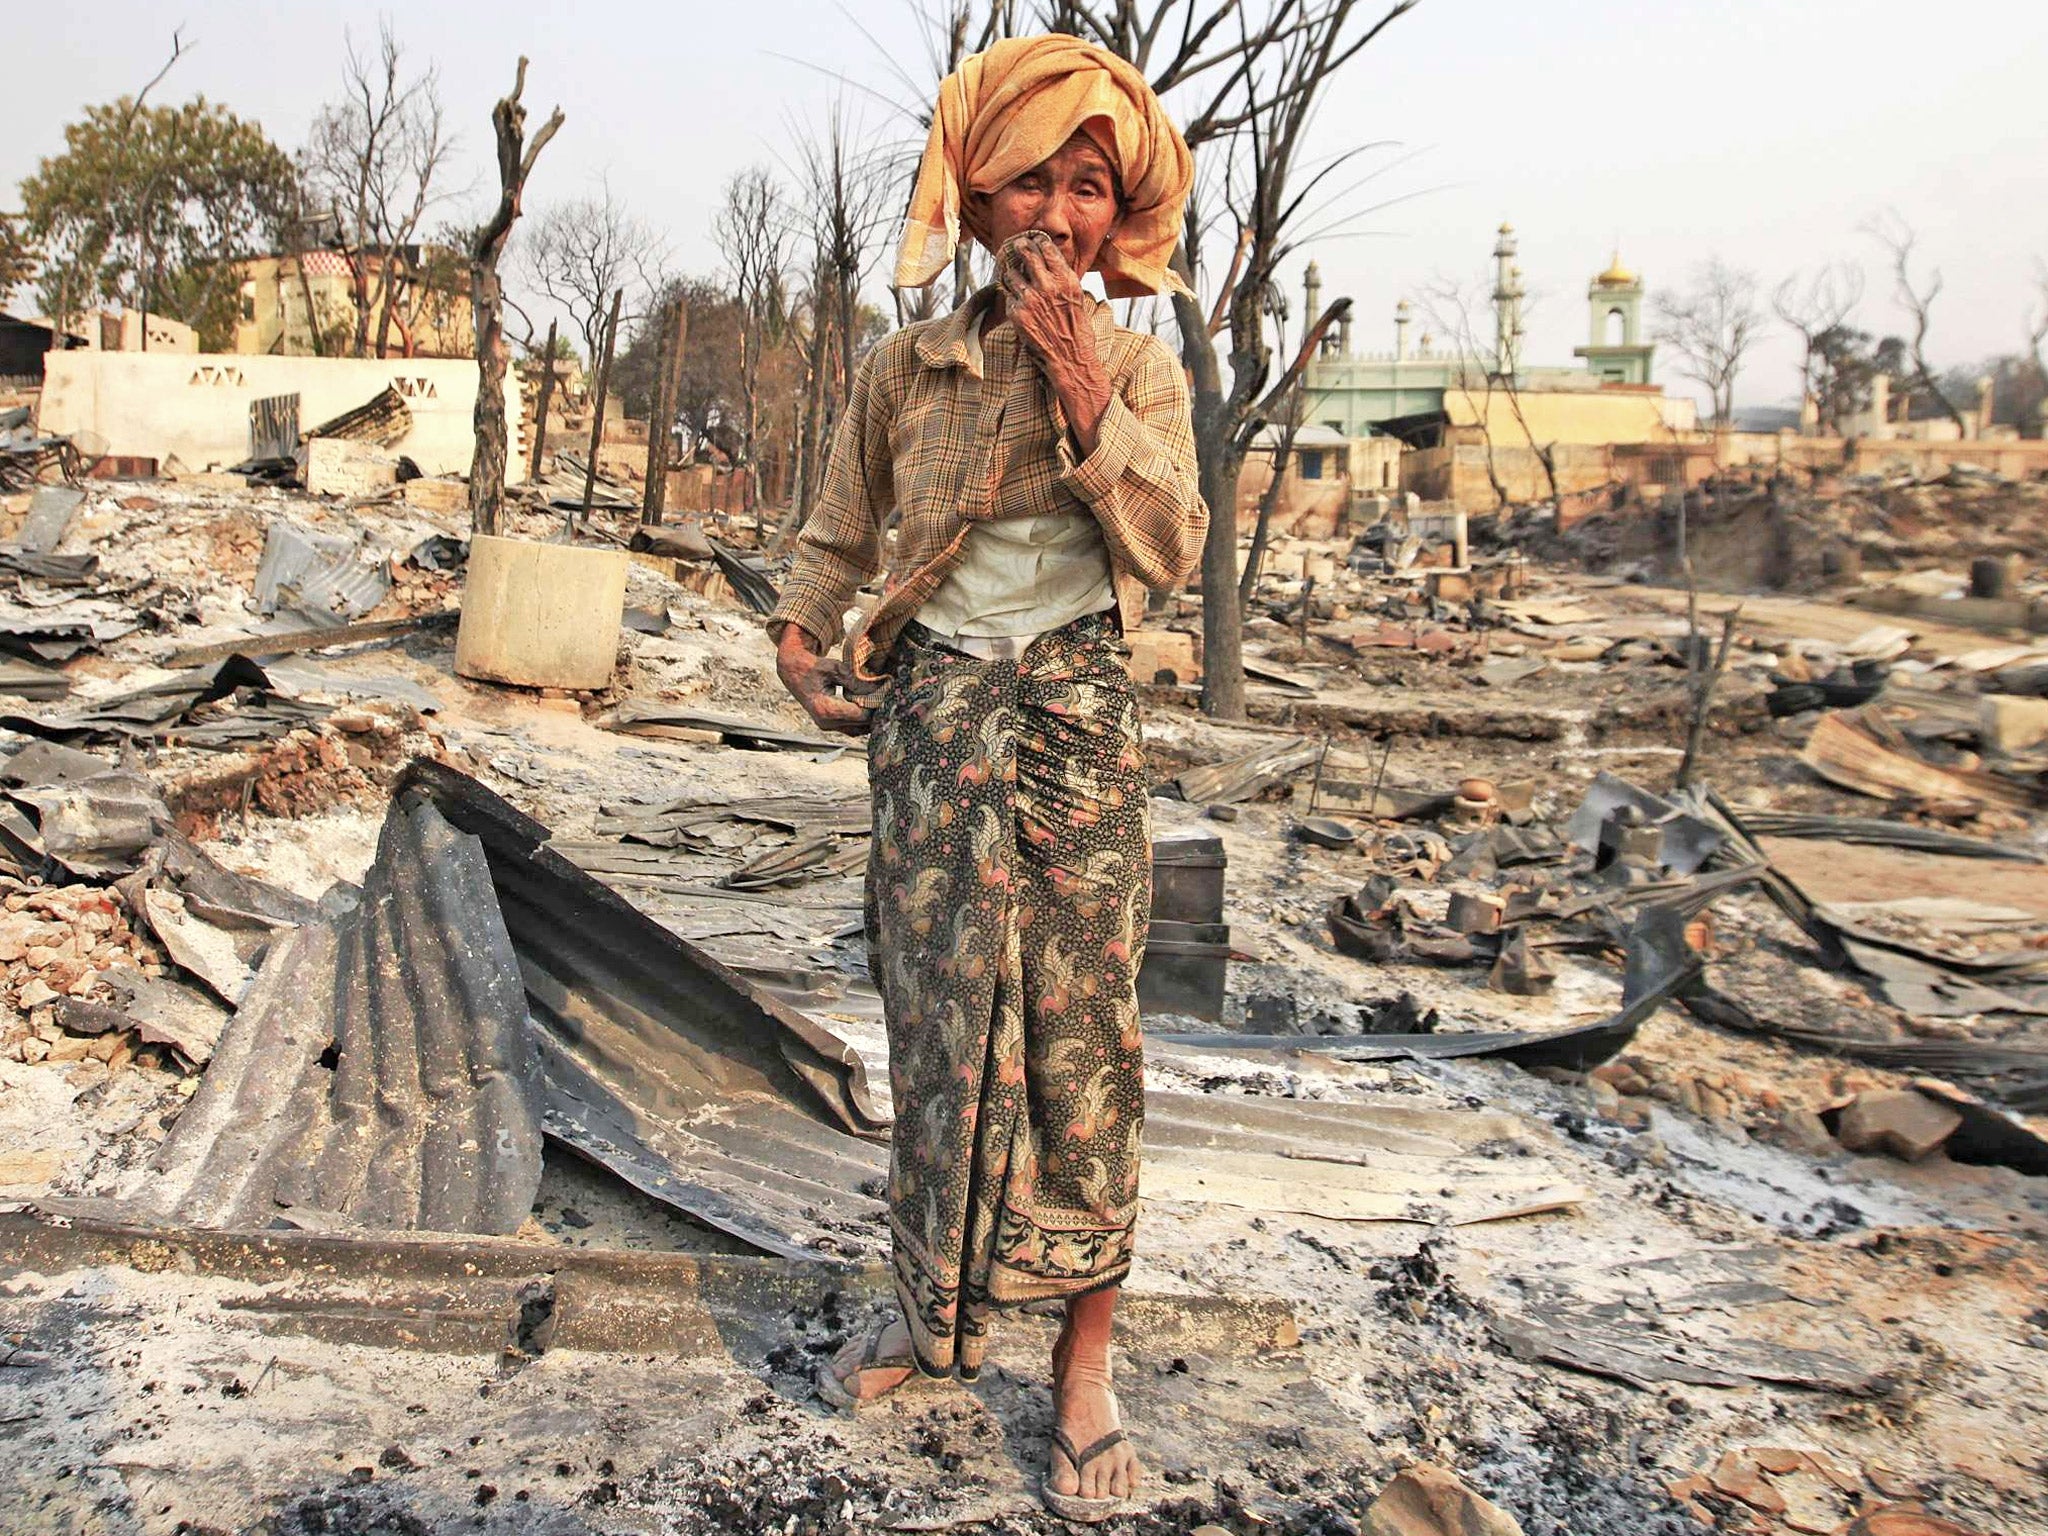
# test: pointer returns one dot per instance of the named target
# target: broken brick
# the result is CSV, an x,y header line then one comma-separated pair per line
x,y
1898,1122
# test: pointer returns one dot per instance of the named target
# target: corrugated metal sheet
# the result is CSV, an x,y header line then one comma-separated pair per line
x,y
50,512
319,576
149,711
397,1067
384,1072
274,427
382,419
381,1073
669,1068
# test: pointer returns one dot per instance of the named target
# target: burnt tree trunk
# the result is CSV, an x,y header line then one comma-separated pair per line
x,y
487,299
668,391
386,267
1269,503
600,386
1218,459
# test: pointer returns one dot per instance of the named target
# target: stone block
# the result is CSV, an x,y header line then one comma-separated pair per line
x,y
540,615
336,466
1429,1501
2013,724
1898,1122
1156,651
437,495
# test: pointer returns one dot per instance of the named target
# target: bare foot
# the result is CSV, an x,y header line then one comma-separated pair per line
x,y
865,1383
1084,1408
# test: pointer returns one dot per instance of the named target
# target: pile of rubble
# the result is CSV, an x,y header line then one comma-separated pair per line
x,y
1632,1118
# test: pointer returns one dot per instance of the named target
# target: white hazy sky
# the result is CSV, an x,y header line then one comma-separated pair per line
x,y
1762,131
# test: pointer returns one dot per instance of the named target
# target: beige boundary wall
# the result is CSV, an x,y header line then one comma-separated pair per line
x,y
192,409
2015,458
1457,473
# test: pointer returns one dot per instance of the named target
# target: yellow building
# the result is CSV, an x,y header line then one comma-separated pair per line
x,y
286,298
1609,413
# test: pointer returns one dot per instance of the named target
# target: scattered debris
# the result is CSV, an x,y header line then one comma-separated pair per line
x,y
1412,972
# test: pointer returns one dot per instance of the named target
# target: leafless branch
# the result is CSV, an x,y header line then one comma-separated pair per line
x,y
1711,326
1450,307
1917,298
179,48
1818,306
753,238
379,155
584,250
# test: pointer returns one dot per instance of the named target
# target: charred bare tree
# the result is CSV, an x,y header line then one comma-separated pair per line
x,y
546,399
1254,82
379,155
1818,307
299,231
584,251
1449,309
515,164
600,386
817,346
668,385
1834,371
1483,379
1289,425
1711,326
850,213
848,209
1916,298
753,239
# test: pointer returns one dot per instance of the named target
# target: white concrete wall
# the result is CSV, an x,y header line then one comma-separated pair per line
x,y
194,408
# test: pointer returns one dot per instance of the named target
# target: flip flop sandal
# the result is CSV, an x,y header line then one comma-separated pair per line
x,y
1071,1506
835,1391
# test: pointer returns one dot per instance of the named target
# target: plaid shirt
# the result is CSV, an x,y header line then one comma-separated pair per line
x,y
947,444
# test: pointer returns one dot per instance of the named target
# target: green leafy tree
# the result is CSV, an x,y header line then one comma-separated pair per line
x,y
17,255
149,206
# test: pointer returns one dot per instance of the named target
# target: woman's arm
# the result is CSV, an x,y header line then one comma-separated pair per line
x,y
1139,477
839,548
1137,469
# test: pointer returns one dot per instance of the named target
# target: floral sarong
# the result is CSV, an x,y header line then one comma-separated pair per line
x,y
1008,893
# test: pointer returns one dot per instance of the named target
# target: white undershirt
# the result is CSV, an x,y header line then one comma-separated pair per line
x,y
1022,575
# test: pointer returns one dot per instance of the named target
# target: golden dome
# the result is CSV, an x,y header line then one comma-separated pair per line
x,y
1616,275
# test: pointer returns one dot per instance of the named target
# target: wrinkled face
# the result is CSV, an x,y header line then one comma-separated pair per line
x,y
1071,197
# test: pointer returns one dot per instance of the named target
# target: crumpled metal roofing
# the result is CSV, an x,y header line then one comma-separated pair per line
x,y
321,577
395,1068
668,1067
380,1073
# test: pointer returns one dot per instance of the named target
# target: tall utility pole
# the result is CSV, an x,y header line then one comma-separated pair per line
x,y
599,384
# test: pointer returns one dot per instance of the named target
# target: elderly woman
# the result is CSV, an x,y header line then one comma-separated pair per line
x,y
1036,463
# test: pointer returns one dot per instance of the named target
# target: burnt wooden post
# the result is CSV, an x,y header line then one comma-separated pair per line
x,y
547,395
487,300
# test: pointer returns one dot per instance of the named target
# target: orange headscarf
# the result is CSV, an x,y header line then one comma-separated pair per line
x,y
1011,108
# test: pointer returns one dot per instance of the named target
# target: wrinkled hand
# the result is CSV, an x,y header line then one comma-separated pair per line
x,y
1042,297
809,678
